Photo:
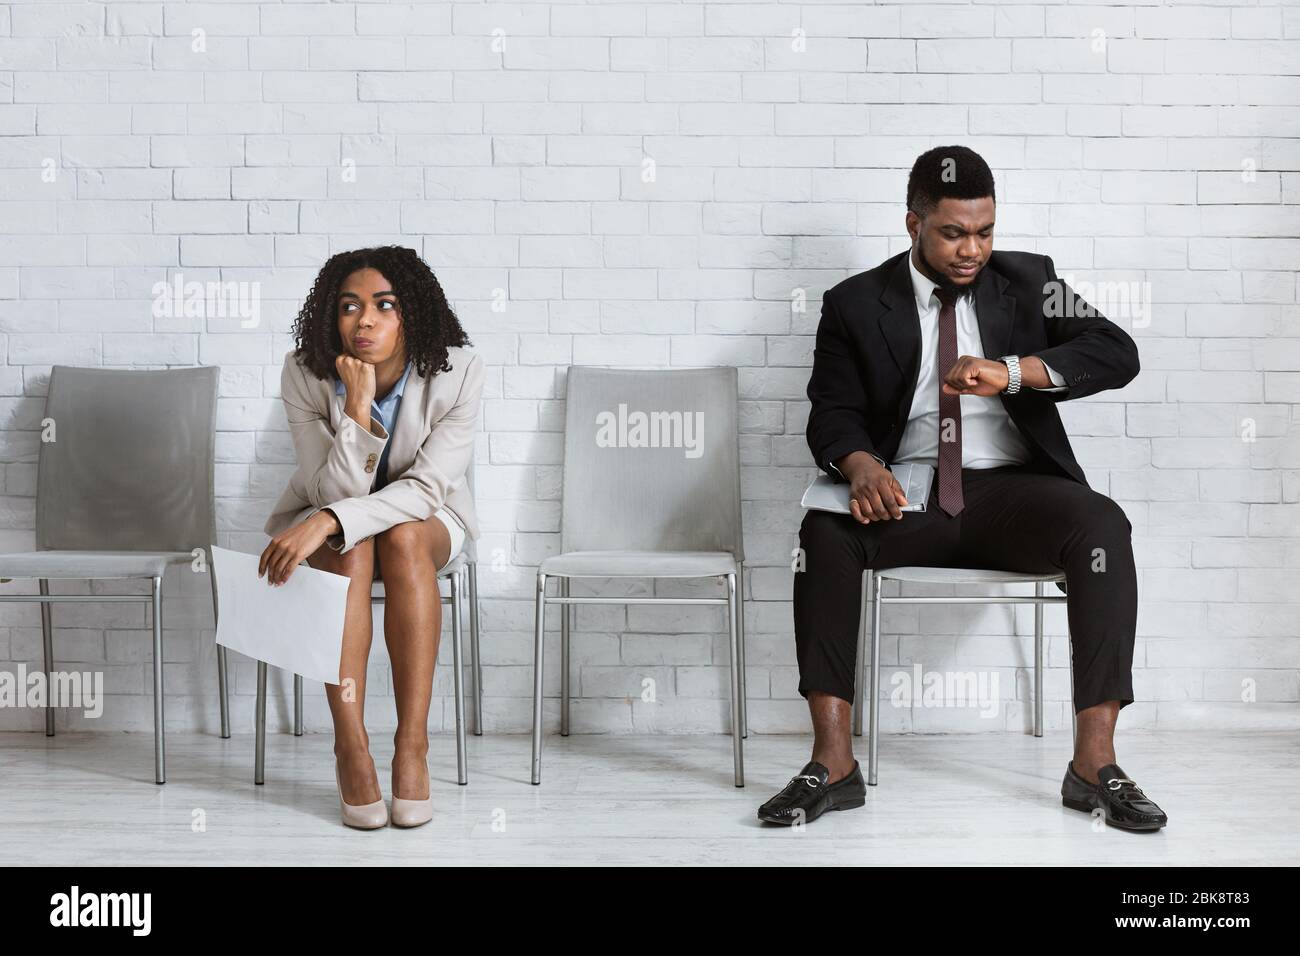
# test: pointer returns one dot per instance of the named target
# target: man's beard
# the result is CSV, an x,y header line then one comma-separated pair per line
x,y
945,282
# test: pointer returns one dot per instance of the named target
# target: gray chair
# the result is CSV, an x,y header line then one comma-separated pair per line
x,y
124,488
873,598
647,512
462,575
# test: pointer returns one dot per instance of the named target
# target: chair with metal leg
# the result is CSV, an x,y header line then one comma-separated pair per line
x,y
124,489
461,573
873,599
654,493
470,551
476,661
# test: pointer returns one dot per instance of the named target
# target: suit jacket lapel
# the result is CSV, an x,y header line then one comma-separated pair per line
x,y
901,327
995,313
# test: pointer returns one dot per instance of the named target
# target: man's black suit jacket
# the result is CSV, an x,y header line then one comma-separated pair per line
x,y
868,356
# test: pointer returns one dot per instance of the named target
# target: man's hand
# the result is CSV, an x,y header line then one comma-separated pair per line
x,y
359,380
290,547
976,376
874,492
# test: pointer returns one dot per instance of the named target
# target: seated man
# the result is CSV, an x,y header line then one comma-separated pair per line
x,y
955,355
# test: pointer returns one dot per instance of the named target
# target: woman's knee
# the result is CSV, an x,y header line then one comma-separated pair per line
x,y
407,541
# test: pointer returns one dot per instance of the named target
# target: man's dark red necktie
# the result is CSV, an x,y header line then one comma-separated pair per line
x,y
950,497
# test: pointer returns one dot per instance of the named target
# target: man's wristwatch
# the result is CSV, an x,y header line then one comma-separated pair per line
x,y
1012,362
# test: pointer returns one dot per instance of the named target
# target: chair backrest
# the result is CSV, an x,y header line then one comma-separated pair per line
x,y
130,463
651,461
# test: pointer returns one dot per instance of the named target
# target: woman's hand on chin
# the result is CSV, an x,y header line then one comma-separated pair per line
x,y
359,380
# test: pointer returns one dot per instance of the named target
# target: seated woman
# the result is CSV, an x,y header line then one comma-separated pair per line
x,y
382,398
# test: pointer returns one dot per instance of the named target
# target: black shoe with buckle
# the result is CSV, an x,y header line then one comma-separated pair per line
x,y
1122,800
808,796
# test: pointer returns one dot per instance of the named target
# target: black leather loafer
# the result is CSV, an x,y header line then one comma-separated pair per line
x,y
1122,800
808,796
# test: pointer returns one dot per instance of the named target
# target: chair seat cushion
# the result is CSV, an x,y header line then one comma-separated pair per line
x,y
89,564
921,575
639,564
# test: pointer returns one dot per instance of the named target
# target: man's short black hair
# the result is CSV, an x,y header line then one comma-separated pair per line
x,y
947,172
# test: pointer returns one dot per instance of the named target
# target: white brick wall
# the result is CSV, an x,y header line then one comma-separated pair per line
x,y
506,143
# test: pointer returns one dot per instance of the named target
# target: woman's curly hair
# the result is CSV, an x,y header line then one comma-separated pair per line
x,y
429,326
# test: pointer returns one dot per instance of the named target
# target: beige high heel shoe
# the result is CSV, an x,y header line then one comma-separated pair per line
x,y
366,816
412,813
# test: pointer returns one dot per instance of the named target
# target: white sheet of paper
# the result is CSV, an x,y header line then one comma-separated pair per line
x,y
297,626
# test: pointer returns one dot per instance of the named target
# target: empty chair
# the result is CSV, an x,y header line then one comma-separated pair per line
x,y
124,488
651,490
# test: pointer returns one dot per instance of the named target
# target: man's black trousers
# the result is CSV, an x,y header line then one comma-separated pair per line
x,y
1016,518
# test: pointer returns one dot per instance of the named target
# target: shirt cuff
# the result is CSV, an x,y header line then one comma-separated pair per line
x,y
841,474
1057,379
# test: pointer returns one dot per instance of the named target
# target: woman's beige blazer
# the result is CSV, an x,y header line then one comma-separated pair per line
x,y
433,444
